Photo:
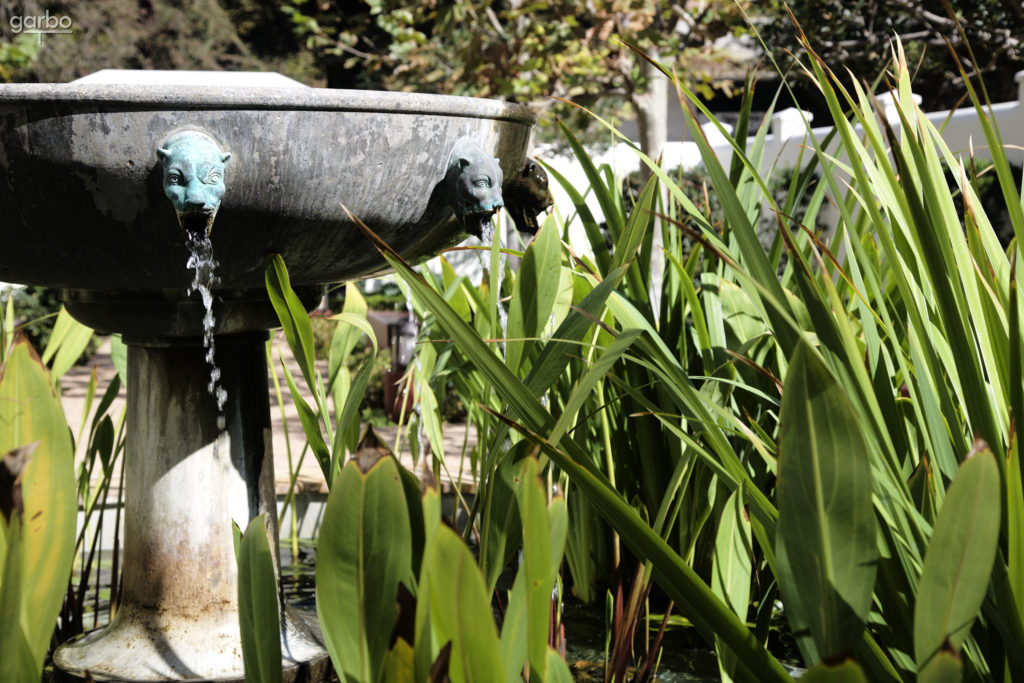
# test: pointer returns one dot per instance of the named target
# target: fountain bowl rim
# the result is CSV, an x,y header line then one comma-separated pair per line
x,y
205,97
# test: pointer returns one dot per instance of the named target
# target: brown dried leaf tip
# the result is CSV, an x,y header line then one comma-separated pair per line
x,y
11,467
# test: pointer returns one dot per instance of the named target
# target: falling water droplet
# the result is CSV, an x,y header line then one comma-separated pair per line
x,y
204,279
487,237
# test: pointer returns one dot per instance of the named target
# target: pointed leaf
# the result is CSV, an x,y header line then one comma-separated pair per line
x,y
534,292
959,559
258,608
826,532
536,563
30,411
364,551
460,609
298,330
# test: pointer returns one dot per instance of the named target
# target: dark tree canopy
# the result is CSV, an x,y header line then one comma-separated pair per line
x,y
856,35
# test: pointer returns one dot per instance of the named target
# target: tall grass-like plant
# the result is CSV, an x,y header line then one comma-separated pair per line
x,y
835,383
825,419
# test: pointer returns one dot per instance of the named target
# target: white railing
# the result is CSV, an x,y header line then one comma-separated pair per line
x,y
785,142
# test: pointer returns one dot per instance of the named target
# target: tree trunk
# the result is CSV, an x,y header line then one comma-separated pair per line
x,y
652,120
652,112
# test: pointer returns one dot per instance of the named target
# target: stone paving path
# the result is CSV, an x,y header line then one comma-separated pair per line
x,y
287,430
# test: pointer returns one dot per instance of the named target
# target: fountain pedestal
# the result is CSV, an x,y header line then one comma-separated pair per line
x,y
178,616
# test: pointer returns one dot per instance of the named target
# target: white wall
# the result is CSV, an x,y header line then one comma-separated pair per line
x,y
961,130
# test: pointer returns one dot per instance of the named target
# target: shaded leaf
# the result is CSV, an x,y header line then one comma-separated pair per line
x,y
258,608
826,545
959,559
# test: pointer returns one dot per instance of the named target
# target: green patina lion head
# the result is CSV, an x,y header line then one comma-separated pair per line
x,y
473,185
193,166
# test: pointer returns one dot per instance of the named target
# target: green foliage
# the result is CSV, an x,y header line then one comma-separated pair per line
x,y
37,527
16,55
789,414
825,544
258,608
40,312
379,533
365,550
523,51
661,419
958,564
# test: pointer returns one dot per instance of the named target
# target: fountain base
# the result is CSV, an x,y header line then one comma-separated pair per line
x,y
186,481
143,646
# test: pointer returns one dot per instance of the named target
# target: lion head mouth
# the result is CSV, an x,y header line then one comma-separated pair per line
x,y
199,221
478,223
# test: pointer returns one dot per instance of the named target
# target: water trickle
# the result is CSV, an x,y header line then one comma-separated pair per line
x,y
487,237
204,279
487,232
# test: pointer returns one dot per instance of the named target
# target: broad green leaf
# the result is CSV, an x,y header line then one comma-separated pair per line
x,y
515,630
558,670
30,411
458,299
364,551
258,608
352,325
563,300
425,645
944,667
17,662
460,609
826,545
629,246
958,562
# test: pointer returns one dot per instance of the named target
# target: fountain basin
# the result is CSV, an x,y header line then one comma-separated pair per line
x,y
84,208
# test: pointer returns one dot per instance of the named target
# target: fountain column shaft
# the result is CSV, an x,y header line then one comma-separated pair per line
x,y
188,481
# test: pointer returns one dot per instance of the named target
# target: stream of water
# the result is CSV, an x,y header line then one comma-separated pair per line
x,y
487,237
204,279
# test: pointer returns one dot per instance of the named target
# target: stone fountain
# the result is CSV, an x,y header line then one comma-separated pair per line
x,y
107,182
